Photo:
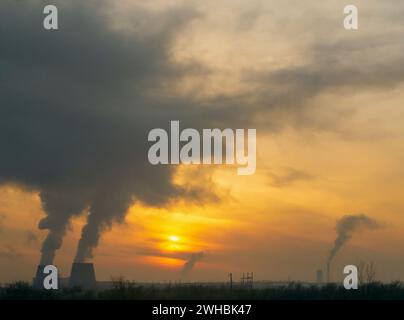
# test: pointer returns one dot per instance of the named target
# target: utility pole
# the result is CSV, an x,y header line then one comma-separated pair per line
x,y
247,280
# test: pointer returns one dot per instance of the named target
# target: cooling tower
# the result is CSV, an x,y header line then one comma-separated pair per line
x,y
83,276
37,281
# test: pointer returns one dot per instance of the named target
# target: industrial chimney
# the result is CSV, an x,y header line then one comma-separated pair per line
x,y
37,281
83,275
328,272
319,277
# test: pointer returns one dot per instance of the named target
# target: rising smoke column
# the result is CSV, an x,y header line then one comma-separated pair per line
x,y
80,138
59,206
76,106
188,266
346,227
110,205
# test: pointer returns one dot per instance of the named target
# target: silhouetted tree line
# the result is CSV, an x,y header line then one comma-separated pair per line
x,y
124,290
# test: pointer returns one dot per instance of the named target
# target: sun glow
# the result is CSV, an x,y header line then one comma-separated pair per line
x,y
173,238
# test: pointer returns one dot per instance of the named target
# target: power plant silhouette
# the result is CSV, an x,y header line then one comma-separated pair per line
x,y
82,275
39,277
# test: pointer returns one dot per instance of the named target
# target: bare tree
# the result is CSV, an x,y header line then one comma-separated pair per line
x,y
370,272
361,271
119,282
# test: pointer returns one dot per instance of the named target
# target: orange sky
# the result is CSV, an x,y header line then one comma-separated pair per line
x,y
278,223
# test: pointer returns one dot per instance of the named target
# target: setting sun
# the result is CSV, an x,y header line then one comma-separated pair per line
x,y
174,238
135,170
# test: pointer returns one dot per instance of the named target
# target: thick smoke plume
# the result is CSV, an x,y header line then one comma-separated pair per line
x,y
80,137
189,265
76,105
347,226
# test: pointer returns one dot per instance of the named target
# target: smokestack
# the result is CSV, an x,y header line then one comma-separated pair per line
x,y
83,275
319,277
195,257
37,281
346,227
328,272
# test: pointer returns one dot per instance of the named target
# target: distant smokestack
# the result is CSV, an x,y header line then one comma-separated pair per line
x,y
191,262
83,275
328,272
37,281
346,227
319,277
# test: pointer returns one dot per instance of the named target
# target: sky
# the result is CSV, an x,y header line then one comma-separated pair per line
x,y
76,106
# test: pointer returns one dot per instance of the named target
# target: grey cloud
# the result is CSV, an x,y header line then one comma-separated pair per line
x,y
339,65
2,218
247,19
9,253
151,252
76,107
289,177
30,237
